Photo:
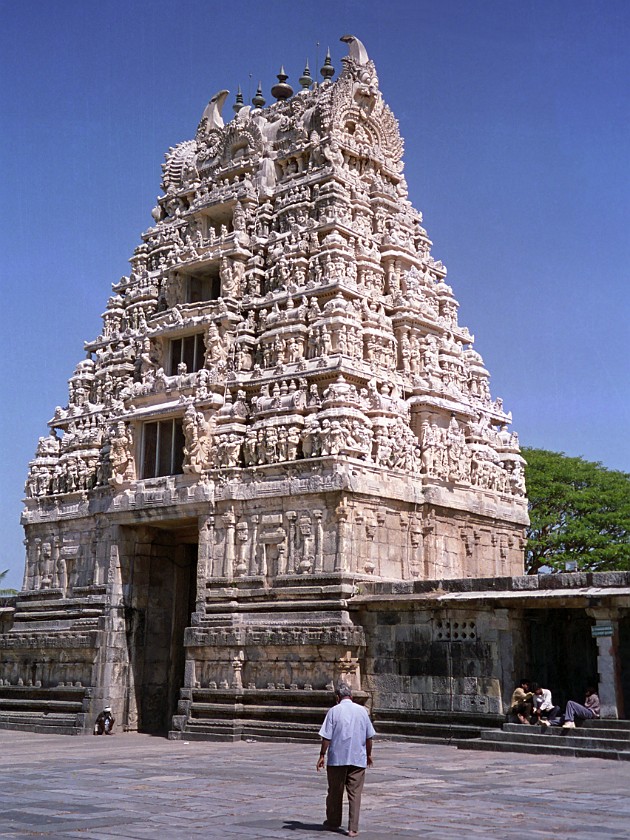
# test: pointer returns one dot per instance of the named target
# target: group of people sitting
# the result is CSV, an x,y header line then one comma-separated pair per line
x,y
532,704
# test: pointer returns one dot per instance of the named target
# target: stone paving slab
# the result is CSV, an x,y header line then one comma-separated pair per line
x,y
136,787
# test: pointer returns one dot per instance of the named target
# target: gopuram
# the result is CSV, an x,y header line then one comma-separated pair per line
x,y
281,414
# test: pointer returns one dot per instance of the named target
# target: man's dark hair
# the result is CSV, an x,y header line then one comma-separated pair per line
x,y
523,681
343,690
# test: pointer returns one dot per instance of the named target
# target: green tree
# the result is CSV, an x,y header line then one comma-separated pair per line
x,y
579,512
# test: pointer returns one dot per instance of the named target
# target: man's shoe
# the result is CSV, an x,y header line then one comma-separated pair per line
x,y
330,826
568,725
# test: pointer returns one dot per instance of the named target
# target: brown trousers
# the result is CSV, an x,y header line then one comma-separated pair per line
x,y
350,778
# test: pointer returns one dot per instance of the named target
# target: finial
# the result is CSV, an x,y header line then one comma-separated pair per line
x,y
327,71
356,49
239,101
282,90
259,100
306,80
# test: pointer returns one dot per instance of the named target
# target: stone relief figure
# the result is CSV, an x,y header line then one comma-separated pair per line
x,y
215,349
121,455
197,440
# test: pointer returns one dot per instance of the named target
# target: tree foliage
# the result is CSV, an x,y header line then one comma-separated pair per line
x,y
579,512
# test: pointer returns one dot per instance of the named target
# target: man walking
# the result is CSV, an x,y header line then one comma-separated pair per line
x,y
346,735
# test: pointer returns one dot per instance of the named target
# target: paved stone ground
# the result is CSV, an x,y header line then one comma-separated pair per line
x,y
138,787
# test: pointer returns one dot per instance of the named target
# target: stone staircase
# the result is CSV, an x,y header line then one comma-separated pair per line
x,y
430,727
261,715
57,711
605,738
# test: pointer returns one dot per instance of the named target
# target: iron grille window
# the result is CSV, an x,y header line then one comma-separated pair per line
x,y
162,448
190,350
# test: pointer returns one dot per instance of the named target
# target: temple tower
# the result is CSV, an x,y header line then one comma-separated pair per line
x,y
281,404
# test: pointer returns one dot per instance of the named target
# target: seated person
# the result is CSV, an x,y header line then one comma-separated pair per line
x,y
574,710
521,702
105,722
543,709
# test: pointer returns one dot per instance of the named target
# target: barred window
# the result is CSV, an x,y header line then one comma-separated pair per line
x,y
191,350
162,448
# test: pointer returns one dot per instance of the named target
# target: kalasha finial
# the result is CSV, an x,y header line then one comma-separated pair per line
x,y
282,90
306,80
327,71
259,100
239,101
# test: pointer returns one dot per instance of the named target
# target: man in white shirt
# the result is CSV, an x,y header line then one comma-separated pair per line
x,y
346,735
543,708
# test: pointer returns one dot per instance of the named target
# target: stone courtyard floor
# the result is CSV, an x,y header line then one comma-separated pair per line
x,y
138,786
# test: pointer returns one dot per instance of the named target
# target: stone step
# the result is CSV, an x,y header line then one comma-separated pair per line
x,y
8,704
201,711
223,730
619,734
558,737
50,724
480,720
422,729
542,749
605,723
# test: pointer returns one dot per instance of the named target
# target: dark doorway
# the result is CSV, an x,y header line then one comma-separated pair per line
x,y
159,582
563,654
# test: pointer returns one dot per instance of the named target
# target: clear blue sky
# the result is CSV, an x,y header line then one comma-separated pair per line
x,y
516,117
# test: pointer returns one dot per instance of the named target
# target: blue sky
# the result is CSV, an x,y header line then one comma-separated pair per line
x,y
516,119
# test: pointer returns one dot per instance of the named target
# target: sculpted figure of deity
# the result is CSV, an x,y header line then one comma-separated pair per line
x,y
215,351
121,455
197,440
249,447
293,442
310,438
271,446
47,446
228,281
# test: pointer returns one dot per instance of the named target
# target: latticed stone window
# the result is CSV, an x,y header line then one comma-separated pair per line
x,y
454,631
190,350
162,448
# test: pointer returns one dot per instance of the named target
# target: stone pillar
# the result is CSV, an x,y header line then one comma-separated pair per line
x,y
292,517
229,522
608,661
343,537
242,537
319,555
205,552
37,544
27,568
253,560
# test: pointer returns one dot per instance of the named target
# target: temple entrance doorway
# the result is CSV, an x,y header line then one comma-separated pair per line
x,y
159,580
563,654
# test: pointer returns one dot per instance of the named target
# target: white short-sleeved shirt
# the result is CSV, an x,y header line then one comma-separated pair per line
x,y
347,726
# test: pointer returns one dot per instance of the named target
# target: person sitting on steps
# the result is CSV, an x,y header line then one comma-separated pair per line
x,y
104,724
590,709
521,702
543,709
